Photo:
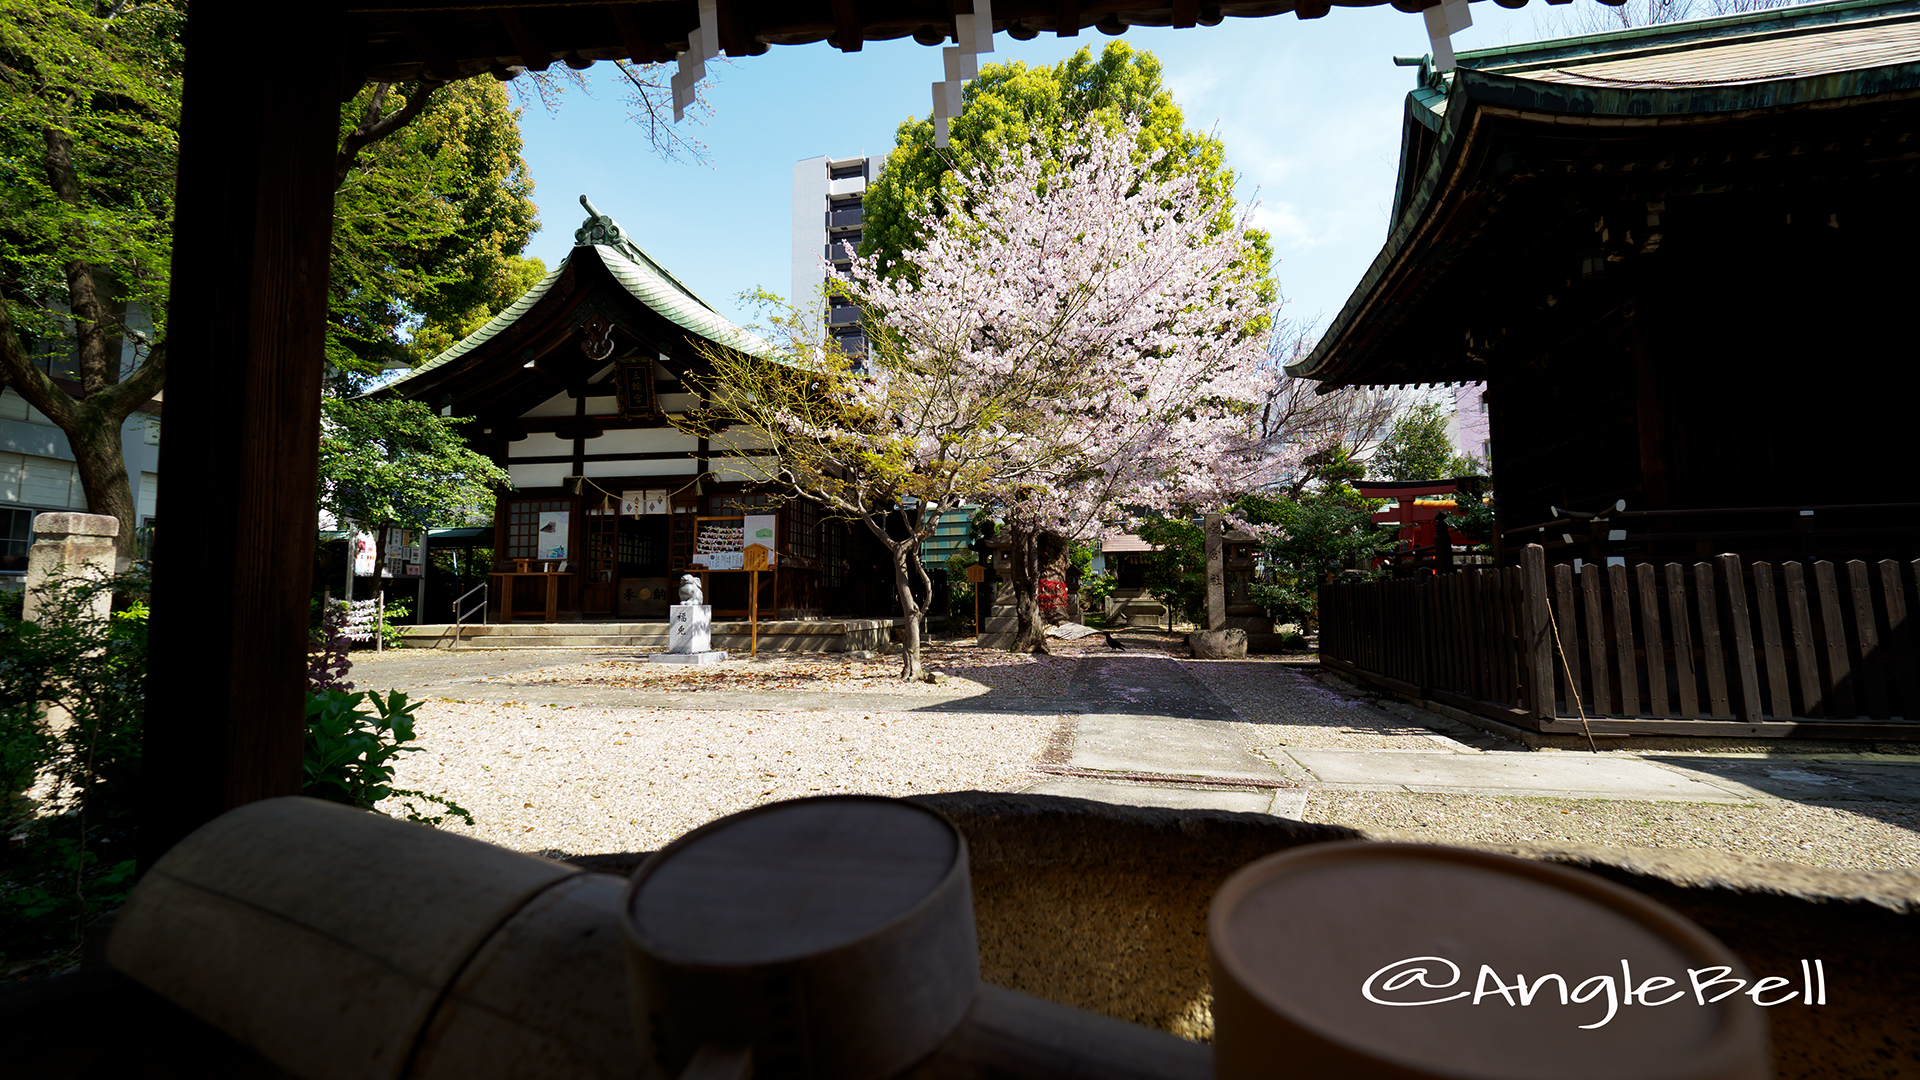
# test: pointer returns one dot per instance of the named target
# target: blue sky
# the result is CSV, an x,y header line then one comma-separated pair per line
x,y
1309,112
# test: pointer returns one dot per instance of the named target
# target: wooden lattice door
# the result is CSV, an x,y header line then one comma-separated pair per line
x,y
598,590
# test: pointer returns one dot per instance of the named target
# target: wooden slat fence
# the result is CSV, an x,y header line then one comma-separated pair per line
x,y
1715,640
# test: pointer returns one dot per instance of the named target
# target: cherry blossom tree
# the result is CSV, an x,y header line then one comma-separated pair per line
x,y
1080,337
1131,324
879,440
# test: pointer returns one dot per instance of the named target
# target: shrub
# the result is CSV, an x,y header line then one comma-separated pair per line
x,y
327,647
69,853
350,753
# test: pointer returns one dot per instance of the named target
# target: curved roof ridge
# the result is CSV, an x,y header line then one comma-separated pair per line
x,y
601,230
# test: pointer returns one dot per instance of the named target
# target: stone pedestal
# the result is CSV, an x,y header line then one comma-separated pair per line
x,y
70,546
1229,644
689,636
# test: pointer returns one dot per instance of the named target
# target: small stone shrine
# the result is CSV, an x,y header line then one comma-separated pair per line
x,y
690,629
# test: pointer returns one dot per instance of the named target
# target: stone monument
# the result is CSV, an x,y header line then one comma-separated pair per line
x,y
67,546
1218,641
690,629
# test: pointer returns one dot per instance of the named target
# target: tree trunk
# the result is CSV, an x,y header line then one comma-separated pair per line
x,y
925,582
103,477
903,554
1030,633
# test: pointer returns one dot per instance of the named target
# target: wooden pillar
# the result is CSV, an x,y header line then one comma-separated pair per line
x,y
1650,422
233,566
1539,639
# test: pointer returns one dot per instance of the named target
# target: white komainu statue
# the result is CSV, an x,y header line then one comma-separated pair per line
x,y
690,589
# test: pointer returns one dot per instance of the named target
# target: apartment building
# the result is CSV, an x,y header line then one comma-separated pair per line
x,y
827,195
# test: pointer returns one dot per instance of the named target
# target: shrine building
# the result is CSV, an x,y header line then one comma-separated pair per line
x,y
570,390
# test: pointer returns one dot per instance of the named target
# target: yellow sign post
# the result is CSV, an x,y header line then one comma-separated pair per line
x,y
976,574
755,561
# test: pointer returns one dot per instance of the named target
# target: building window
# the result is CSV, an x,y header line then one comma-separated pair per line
x,y
848,170
16,536
523,524
1486,450
803,528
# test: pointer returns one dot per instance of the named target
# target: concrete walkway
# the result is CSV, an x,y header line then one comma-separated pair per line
x,y
1143,729
1150,734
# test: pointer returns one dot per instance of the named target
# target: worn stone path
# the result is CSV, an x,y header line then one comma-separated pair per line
x,y
1147,729
1145,723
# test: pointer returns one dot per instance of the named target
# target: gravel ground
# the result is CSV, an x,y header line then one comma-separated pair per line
x,y
1855,836
966,669
585,779
602,777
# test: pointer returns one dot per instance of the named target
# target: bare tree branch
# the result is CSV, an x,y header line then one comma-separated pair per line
x,y
33,384
374,127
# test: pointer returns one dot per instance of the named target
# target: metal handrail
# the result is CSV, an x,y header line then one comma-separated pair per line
x,y
460,617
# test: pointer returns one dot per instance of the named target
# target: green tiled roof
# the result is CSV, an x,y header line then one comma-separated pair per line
x,y
638,272
1643,78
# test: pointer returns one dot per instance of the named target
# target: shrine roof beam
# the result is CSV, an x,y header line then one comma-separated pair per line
x,y
396,40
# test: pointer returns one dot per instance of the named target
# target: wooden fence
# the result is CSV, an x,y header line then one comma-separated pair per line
x,y
1717,647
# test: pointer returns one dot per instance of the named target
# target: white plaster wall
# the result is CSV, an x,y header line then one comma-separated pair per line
x,y
558,405
659,467
539,476
731,469
642,441
539,444
741,438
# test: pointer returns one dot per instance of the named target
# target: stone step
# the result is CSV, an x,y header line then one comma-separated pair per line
x,y
851,635
569,641
600,629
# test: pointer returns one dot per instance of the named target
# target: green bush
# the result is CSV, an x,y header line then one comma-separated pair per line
x,y
350,753
69,854
391,617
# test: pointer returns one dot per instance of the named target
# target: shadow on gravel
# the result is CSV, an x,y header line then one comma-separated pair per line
x,y
1889,792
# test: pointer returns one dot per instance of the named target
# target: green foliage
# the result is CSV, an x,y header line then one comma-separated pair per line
x,y
1012,106
1473,519
69,852
959,589
428,227
1095,587
350,753
1418,448
392,616
1320,533
109,89
1177,572
388,459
